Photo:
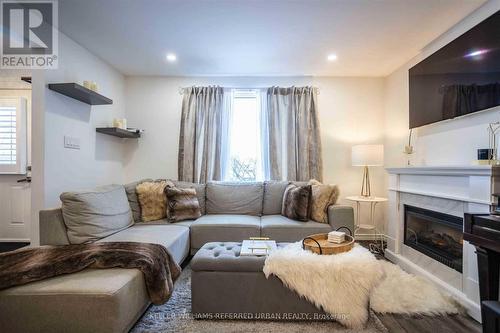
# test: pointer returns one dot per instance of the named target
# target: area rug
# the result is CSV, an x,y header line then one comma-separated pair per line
x,y
175,316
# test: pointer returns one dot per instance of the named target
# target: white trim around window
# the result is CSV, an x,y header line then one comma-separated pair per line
x,y
13,135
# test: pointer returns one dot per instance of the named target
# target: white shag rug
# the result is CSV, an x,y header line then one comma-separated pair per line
x,y
347,284
403,293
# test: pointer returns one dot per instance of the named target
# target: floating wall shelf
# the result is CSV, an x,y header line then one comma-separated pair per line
x,y
118,132
79,92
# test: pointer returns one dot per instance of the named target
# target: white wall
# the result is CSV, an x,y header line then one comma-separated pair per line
x,y
350,111
99,160
452,142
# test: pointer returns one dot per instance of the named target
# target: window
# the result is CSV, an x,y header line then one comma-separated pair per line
x,y
12,136
244,137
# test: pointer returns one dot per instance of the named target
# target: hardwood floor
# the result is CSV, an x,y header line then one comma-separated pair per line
x,y
426,324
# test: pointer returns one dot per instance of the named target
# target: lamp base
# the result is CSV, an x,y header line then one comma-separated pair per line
x,y
365,187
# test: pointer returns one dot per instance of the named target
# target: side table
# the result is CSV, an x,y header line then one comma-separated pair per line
x,y
370,225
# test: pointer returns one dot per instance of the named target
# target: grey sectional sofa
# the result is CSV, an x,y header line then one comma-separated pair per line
x,y
112,300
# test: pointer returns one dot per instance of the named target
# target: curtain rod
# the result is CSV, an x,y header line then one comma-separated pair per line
x,y
181,89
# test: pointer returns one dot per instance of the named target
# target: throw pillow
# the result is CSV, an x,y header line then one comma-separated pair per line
x,y
95,214
153,200
322,196
182,204
296,202
133,200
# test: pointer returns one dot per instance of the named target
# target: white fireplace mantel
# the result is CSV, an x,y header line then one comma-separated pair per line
x,y
451,190
470,170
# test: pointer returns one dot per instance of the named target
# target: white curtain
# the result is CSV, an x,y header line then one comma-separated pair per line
x,y
291,143
204,134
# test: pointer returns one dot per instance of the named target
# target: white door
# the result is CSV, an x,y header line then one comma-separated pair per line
x,y
15,209
15,194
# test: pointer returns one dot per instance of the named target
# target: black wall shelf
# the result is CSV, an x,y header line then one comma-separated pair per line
x,y
118,132
79,92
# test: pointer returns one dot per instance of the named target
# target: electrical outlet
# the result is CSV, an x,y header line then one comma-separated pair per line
x,y
71,142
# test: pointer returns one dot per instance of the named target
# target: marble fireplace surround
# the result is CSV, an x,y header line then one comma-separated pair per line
x,y
449,190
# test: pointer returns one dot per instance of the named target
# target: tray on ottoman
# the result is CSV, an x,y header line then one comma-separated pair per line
x,y
225,285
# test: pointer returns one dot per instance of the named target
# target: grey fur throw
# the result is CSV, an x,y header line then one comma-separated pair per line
x,y
297,202
34,264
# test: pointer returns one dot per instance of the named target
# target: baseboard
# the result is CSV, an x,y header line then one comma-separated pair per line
x,y
473,309
14,240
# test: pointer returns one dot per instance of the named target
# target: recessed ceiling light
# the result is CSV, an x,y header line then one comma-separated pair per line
x,y
171,57
476,53
332,57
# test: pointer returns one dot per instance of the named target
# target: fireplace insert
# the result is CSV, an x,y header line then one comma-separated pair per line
x,y
434,234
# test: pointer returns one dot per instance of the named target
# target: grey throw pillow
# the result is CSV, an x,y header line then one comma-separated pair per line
x,y
95,214
297,202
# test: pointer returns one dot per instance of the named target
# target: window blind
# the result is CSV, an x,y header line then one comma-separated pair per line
x,y
8,135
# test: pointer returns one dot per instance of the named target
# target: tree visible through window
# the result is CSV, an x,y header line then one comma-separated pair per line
x,y
244,139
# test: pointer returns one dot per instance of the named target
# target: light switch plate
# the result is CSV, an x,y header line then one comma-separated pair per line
x,y
71,142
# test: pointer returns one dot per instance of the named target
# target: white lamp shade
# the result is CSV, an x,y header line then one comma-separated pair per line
x,y
368,155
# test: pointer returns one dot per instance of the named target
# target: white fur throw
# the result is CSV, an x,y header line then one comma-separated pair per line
x,y
344,285
403,293
340,284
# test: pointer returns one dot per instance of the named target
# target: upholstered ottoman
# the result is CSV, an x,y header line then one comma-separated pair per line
x,y
225,285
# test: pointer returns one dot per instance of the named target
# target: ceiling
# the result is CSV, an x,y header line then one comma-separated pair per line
x,y
259,37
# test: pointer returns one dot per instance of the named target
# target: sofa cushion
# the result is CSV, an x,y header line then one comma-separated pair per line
x,y
273,197
133,200
172,236
182,204
235,198
223,228
200,191
297,202
93,300
91,215
283,229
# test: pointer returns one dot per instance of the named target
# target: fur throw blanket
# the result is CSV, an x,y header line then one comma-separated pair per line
x,y
34,264
346,285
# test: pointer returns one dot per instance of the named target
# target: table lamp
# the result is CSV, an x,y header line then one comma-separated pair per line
x,y
365,156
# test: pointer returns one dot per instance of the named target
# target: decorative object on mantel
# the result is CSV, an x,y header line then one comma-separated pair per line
x,y
492,142
79,92
365,156
131,133
409,148
484,155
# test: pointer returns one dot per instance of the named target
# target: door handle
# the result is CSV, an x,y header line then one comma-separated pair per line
x,y
25,180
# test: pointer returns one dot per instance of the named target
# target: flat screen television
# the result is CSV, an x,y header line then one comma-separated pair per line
x,y
461,78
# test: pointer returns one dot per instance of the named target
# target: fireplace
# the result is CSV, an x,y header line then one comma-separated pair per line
x,y
434,234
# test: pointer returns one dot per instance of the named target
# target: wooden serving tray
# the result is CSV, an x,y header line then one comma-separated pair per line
x,y
319,244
